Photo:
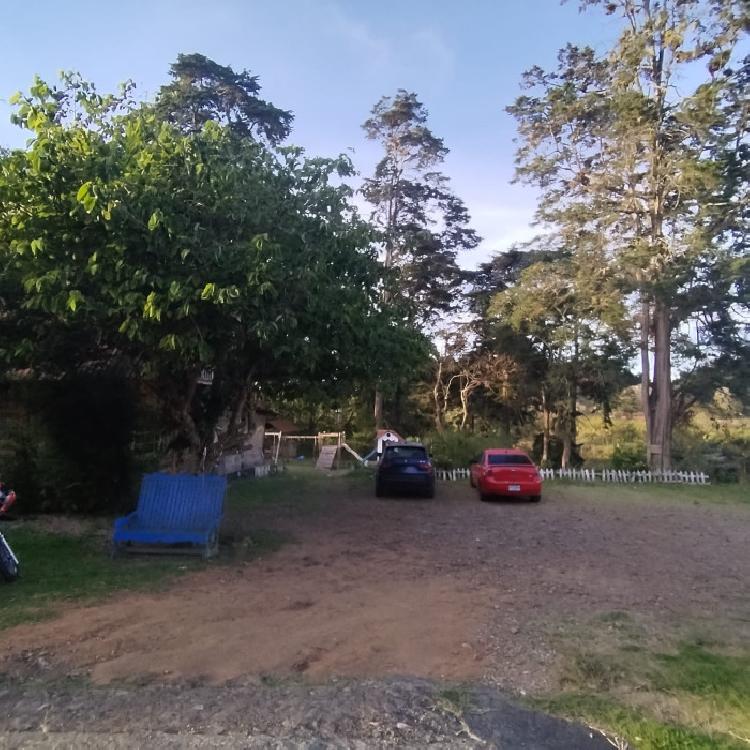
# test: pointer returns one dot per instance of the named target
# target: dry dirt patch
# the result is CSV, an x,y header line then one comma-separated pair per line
x,y
450,589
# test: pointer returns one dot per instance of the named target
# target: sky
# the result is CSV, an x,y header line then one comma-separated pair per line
x,y
329,61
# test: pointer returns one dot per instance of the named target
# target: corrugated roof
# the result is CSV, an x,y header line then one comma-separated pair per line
x,y
279,424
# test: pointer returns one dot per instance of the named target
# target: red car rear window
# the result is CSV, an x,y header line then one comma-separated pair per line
x,y
502,459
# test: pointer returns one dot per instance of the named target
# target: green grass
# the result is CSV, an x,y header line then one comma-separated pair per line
x,y
709,494
57,568
694,669
299,488
635,725
694,697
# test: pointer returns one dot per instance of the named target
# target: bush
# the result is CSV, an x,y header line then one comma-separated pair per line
x,y
70,451
629,457
455,450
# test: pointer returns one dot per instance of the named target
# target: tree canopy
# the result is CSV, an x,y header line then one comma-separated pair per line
x,y
619,152
422,224
202,90
127,240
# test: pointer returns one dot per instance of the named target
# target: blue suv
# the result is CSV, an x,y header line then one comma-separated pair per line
x,y
405,467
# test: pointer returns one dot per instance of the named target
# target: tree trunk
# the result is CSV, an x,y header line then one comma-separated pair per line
x,y
437,395
660,437
464,393
378,411
186,457
570,429
546,419
238,410
378,408
567,446
645,324
571,421
397,411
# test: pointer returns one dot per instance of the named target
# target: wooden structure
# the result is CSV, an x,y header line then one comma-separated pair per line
x,y
327,454
327,457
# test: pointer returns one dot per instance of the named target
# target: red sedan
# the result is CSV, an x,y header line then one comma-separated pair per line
x,y
506,473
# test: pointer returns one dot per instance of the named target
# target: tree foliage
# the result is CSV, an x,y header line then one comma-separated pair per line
x,y
201,90
620,153
423,225
125,239
567,306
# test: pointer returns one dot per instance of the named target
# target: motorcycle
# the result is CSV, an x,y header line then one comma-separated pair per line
x,y
9,565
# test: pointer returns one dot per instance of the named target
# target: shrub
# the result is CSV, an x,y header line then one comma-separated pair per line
x,y
629,457
455,450
71,449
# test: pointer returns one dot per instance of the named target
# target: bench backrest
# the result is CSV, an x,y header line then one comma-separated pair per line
x,y
181,501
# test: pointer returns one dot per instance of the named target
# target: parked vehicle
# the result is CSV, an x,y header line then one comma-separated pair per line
x,y
9,567
505,473
405,467
7,499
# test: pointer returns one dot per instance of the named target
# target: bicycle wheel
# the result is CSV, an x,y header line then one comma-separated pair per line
x,y
9,568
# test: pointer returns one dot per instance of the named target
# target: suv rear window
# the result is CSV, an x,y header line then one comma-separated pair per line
x,y
406,451
502,459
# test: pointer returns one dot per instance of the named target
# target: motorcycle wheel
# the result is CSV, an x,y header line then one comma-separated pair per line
x,y
9,567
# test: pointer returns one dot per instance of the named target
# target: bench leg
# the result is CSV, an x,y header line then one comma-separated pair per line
x,y
212,547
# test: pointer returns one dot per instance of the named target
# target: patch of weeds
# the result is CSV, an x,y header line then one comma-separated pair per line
x,y
57,568
697,671
600,672
278,681
631,724
259,542
615,617
631,648
457,698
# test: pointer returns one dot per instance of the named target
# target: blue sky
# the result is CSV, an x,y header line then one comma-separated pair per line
x,y
328,61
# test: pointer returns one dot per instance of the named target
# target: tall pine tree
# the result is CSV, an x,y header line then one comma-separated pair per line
x,y
619,150
423,225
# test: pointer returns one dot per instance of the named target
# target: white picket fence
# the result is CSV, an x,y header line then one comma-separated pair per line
x,y
599,475
624,477
451,475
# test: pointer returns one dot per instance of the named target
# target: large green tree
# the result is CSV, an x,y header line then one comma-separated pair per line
x,y
422,223
124,238
566,304
620,151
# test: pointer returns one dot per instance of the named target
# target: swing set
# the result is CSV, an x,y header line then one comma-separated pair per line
x,y
327,448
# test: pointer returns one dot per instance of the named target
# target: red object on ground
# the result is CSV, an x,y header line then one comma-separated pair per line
x,y
506,473
10,498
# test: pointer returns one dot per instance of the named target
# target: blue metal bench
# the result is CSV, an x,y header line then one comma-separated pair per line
x,y
175,509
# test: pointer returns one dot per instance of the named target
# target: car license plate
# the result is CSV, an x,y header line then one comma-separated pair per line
x,y
514,488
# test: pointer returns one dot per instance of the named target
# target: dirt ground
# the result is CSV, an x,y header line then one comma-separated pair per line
x,y
449,589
